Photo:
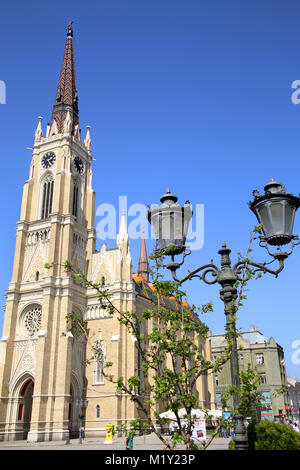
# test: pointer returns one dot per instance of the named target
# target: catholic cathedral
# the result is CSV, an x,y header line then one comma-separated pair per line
x,y
45,386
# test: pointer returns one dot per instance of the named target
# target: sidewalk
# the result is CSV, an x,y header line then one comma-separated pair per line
x,y
149,442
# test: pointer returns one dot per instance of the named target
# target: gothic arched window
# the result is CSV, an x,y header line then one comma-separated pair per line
x,y
99,377
47,196
75,199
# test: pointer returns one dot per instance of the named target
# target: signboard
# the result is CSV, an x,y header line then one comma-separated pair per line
x,y
199,430
110,434
266,415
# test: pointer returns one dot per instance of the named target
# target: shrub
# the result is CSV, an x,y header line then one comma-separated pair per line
x,y
276,436
272,436
231,445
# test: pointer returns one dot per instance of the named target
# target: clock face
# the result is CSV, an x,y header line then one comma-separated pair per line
x,y
78,165
48,159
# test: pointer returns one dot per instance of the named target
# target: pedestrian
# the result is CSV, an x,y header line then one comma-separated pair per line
x,y
296,427
174,428
129,440
82,433
184,426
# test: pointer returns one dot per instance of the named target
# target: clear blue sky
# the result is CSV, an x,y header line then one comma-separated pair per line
x,y
187,94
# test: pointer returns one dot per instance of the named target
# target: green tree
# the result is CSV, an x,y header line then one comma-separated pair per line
x,y
171,360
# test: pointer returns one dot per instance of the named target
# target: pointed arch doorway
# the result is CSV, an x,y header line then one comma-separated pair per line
x,y
73,417
24,408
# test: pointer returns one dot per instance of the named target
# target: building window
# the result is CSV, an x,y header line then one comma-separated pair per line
x,y
75,200
37,276
241,360
102,281
98,411
263,378
259,358
99,371
216,380
267,400
47,197
32,320
99,377
218,400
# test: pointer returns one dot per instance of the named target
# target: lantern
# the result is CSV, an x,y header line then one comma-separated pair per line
x,y
170,223
275,211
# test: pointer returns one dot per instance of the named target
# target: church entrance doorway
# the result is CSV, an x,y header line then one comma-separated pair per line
x,y
73,414
25,407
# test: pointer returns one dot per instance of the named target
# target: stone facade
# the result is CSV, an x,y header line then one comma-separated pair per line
x,y
43,379
267,356
292,409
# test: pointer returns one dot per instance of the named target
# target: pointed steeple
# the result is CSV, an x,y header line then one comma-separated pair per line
x,y
143,269
66,99
87,140
122,237
38,133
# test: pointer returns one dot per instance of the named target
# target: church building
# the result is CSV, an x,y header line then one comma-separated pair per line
x,y
46,390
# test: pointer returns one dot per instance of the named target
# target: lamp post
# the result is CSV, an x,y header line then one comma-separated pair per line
x,y
83,403
275,211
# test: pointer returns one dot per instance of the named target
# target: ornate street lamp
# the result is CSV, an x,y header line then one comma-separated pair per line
x,y
82,403
275,211
170,222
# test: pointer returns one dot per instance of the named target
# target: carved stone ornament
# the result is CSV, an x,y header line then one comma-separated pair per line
x,y
27,363
32,320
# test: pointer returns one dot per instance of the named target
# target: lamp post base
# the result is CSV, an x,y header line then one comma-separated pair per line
x,y
240,438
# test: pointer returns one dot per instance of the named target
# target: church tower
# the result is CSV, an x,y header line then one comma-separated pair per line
x,y
50,381
41,370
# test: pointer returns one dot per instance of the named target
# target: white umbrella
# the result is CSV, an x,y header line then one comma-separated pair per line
x,y
194,414
168,415
181,413
215,413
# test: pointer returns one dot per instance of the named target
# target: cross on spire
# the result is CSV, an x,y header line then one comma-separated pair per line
x,y
70,30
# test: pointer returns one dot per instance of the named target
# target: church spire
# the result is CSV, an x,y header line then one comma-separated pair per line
x,y
66,100
143,269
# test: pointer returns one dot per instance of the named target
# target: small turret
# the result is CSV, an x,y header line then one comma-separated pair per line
x,y
122,237
38,133
87,140
143,268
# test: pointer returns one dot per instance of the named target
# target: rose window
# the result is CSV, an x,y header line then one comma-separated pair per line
x,y
32,320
